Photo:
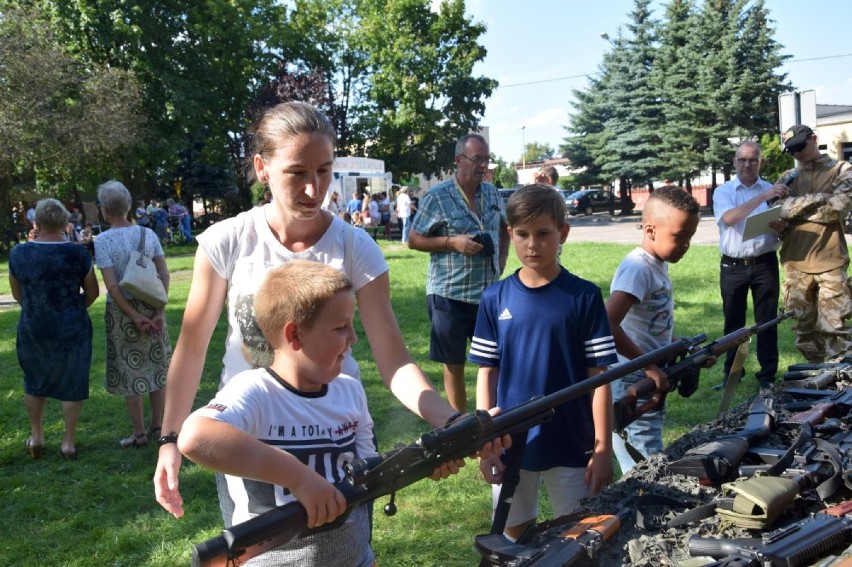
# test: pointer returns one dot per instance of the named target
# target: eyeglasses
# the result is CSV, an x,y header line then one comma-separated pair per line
x,y
750,161
476,160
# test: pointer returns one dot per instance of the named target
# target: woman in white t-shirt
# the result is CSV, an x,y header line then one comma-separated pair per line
x,y
293,154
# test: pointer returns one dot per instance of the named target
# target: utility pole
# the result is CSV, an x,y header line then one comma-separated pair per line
x,y
523,147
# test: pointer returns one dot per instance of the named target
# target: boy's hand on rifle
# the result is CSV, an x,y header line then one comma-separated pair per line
x,y
322,501
492,469
711,360
659,377
446,469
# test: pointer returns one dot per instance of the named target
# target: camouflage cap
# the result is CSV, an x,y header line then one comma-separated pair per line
x,y
796,135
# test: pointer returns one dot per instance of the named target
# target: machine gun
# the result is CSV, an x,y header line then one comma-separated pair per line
x,y
682,375
555,546
718,460
368,479
793,546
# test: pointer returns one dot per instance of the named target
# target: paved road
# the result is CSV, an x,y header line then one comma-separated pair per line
x,y
602,227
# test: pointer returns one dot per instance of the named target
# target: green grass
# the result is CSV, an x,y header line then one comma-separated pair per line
x,y
100,510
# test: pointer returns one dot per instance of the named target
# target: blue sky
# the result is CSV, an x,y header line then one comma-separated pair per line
x,y
544,41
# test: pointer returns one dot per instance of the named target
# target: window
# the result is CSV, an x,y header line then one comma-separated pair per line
x,y
846,151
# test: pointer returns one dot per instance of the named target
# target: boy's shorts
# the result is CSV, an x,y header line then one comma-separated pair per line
x,y
453,323
565,488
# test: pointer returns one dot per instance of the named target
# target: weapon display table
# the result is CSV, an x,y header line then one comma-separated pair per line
x,y
810,433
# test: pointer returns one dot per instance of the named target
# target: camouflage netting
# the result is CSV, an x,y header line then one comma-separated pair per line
x,y
638,547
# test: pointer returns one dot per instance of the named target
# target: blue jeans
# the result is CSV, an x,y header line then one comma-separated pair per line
x,y
645,434
185,227
406,228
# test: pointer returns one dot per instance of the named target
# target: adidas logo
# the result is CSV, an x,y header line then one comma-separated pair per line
x,y
505,315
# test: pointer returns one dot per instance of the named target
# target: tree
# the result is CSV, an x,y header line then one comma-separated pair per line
x,y
634,146
676,71
669,100
737,78
403,74
199,64
505,176
777,162
61,119
534,152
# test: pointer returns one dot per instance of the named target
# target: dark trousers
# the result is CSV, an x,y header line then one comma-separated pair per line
x,y
760,276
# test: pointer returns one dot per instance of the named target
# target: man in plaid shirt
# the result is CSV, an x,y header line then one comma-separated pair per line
x,y
461,222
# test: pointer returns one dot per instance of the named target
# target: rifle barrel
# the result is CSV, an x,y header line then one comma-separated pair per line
x,y
619,371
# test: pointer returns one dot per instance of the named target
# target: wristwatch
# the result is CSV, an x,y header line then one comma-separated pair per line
x,y
166,439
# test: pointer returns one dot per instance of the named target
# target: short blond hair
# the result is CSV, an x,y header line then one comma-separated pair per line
x,y
297,291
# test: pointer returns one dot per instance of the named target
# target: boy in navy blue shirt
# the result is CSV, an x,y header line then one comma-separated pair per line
x,y
538,331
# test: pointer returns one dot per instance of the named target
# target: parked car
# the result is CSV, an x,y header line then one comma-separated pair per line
x,y
505,194
589,201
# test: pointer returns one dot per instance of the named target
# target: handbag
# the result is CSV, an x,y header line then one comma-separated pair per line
x,y
141,278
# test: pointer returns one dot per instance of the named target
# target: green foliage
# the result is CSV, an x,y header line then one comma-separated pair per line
x,y
63,120
395,77
505,176
577,180
534,152
198,65
776,161
422,92
669,96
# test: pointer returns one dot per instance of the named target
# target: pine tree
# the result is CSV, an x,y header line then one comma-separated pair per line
x,y
676,73
635,145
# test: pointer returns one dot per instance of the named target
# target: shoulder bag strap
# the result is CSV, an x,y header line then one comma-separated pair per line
x,y
141,259
348,245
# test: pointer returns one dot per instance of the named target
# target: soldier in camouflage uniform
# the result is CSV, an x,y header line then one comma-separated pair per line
x,y
813,248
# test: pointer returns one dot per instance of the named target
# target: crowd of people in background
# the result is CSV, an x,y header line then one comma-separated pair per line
x,y
384,213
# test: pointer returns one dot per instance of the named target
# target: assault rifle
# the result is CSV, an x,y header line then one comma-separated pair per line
x,y
368,479
816,378
682,375
830,404
557,546
793,546
718,460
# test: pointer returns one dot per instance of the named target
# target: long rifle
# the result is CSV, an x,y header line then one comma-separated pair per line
x,y
368,479
625,408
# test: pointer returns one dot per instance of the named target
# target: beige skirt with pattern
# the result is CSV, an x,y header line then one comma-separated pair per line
x,y
136,362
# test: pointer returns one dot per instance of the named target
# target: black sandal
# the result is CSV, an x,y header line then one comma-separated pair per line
x,y
154,432
135,441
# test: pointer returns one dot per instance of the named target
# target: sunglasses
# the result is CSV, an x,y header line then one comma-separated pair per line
x,y
796,148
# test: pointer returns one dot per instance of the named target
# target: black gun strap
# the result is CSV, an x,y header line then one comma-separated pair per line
x,y
805,435
828,453
511,477
646,518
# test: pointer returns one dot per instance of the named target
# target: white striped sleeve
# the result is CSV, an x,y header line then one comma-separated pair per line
x,y
484,349
598,348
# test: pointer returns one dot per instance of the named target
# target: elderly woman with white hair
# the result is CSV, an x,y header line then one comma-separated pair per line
x,y
137,341
54,282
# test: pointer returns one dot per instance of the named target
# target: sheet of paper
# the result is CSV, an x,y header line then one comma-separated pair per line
x,y
758,224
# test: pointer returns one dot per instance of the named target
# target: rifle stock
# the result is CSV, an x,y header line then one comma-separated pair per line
x,y
719,459
555,543
626,410
368,479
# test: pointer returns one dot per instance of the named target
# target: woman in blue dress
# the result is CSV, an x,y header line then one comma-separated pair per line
x,y
55,283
